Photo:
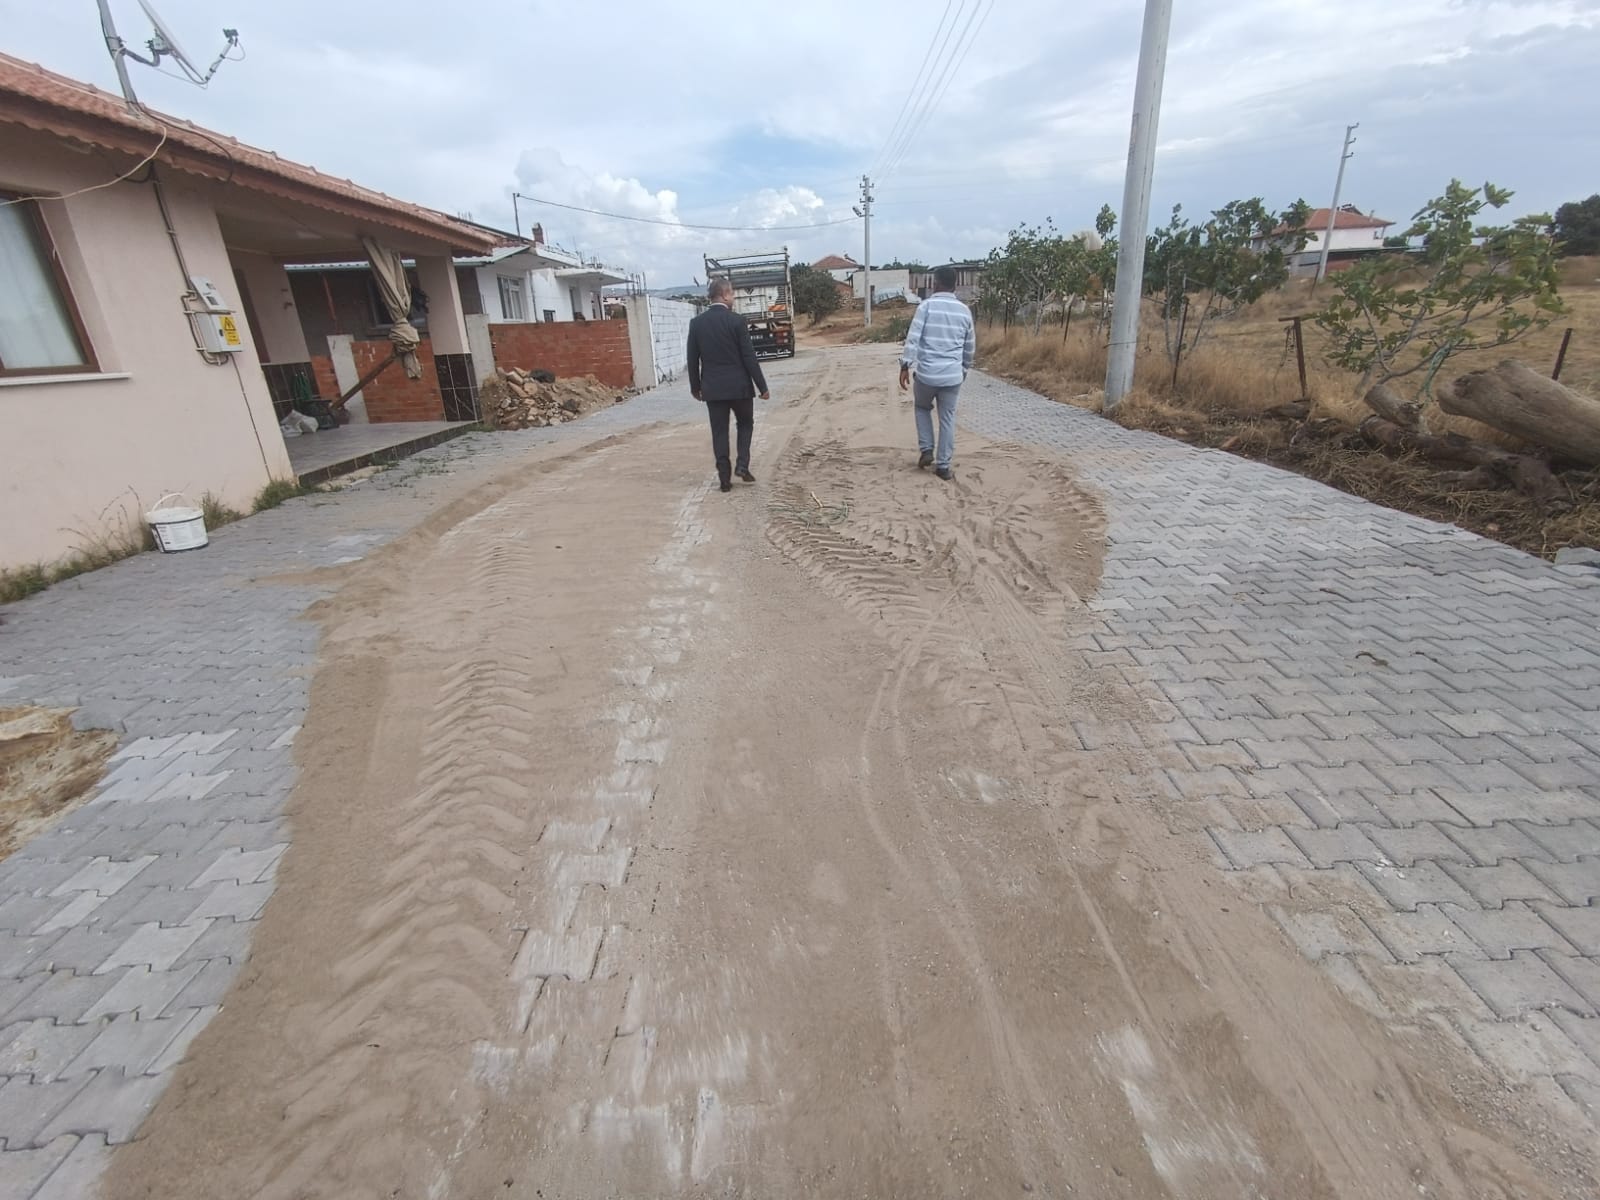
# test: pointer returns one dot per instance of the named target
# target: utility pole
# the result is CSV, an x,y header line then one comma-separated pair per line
x,y
1345,156
866,232
118,49
1136,189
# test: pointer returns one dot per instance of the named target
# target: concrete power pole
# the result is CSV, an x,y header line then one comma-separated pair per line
x,y
866,233
1345,156
1136,200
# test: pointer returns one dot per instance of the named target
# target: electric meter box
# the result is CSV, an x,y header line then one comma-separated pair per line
x,y
216,321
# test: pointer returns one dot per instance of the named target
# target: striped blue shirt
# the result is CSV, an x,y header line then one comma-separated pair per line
x,y
941,341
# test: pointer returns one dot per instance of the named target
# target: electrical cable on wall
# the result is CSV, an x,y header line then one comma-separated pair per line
x,y
128,174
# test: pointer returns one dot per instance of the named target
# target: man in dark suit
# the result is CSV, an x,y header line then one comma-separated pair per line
x,y
724,373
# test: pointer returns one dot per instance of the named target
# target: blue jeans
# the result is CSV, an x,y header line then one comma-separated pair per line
x,y
924,396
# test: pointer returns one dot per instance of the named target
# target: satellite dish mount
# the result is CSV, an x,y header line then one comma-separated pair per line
x,y
164,44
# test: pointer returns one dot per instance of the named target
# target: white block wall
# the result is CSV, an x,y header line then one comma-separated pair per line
x,y
669,336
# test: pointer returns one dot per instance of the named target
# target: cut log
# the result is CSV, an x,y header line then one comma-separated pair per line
x,y
1319,429
1297,410
1526,474
1517,400
1479,479
1393,409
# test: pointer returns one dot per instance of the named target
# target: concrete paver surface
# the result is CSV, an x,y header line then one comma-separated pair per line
x,y
1119,820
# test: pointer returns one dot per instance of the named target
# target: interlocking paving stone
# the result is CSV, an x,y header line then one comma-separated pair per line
x,y
1410,935
147,892
24,1171
1518,984
1576,882
76,1177
1503,931
1446,707
1579,925
1242,593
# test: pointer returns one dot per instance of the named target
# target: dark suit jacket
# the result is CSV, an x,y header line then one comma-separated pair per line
x,y
722,362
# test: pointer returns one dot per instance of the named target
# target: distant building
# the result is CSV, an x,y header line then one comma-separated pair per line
x,y
969,277
1355,234
887,283
839,266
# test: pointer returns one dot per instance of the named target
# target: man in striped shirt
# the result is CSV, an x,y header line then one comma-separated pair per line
x,y
936,359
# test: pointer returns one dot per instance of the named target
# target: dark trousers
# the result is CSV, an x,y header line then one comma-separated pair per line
x,y
744,412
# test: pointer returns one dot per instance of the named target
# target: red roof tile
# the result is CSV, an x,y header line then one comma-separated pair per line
x,y
1348,218
835,262
49,103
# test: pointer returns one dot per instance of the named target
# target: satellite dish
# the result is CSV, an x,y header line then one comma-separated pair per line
x,y
165,42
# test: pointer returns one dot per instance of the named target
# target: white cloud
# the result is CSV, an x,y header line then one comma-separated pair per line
x,y
766,115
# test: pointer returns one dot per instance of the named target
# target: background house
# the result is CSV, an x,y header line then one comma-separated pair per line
x,y
1355,234
534,281
840,266
887,283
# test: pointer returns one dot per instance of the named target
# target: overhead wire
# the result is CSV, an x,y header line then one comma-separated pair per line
x,y
905,104
596,212
926,84
944,84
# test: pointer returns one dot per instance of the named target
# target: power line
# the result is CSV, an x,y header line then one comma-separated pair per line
x,y
960,57
905,104
595,212
925,85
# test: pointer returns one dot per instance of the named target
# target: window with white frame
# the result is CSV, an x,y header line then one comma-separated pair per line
x,y
511,298
40,330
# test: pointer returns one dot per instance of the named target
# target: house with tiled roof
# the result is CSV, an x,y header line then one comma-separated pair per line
x,y
147,322
1355,234
840,266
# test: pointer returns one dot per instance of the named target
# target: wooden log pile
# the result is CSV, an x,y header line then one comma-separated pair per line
x,y
1557,424
1517,400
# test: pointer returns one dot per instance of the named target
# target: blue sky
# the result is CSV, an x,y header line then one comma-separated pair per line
x,y
767,115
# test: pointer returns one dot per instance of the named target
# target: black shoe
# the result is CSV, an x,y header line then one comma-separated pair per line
x,y
726,486
926,459
746,476
945,473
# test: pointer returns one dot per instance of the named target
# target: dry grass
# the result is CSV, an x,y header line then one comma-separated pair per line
x,y
1225,391
115,536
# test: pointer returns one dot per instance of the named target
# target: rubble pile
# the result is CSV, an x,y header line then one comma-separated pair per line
x,y
516,399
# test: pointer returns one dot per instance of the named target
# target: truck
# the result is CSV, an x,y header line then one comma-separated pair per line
x,y
762,295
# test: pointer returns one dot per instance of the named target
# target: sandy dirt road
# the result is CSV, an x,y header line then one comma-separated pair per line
x,y
655,842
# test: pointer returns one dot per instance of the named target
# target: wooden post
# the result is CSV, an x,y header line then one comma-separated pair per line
x,y
1183,325
1300,359
338,405
1299,352
333,311
1561,355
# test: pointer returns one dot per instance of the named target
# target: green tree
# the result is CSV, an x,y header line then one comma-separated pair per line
x,y
1038,266
1480,286
1577,227
815,293
1213,270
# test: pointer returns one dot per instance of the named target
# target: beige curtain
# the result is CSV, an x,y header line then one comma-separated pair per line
x,y
390,272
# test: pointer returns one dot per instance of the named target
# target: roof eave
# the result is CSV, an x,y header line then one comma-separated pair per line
x,y
84,127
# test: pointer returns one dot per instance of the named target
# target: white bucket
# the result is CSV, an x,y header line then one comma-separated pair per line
x,y
181,527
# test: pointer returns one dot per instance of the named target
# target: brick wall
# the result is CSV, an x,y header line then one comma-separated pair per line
x,y
392,396
327,382
598,348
